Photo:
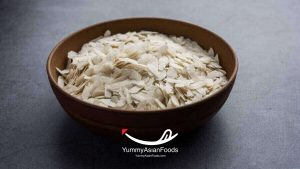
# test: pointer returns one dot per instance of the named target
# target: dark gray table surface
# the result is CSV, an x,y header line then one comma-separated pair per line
x,y
258,127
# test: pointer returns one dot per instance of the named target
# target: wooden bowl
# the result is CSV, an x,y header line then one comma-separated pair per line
x,y
143,123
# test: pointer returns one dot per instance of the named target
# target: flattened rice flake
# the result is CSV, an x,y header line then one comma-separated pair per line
x,y
142,71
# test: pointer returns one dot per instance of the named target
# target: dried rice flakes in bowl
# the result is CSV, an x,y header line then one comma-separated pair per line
x,y
141,71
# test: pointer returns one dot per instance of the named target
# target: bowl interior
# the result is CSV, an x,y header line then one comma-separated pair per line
x,y
205,38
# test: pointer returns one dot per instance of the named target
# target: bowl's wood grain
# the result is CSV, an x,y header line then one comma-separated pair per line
x,y
110,121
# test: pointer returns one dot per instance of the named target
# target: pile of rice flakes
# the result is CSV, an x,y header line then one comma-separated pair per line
x,y
141,71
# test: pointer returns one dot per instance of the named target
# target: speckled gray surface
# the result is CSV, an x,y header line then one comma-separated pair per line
x,y
258,127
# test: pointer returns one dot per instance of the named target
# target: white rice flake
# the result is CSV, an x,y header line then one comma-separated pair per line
x,y
141,71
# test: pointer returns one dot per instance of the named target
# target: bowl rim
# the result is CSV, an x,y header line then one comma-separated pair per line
x,y
53,81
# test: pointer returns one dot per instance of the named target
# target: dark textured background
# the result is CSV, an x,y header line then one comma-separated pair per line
x,y
258,127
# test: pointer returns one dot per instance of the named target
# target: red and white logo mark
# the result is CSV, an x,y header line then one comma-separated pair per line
x,y
166,137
